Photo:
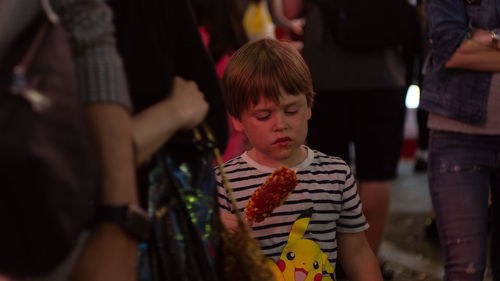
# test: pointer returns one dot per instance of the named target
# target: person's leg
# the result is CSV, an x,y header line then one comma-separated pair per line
x,y
459,173
375,197
378,140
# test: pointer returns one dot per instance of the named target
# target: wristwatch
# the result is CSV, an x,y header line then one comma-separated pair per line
x,y
495,37
131,218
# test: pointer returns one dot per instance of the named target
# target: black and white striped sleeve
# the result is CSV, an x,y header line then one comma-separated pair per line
x,y
351,218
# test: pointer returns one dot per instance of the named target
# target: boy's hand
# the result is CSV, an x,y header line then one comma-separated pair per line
x,y
229,221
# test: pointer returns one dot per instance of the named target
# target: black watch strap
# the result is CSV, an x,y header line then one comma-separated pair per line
x,y
108,213
131,218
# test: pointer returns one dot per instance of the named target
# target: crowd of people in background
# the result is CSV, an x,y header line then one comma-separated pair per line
x,y
277,88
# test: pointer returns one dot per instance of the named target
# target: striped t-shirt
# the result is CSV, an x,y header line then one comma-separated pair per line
x,y
326,187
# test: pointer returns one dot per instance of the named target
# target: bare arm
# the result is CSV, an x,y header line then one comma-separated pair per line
x,y
183,110
357,258
110,254
476,54
295,25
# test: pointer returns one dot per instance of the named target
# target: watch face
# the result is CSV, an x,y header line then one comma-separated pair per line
x,y
138,223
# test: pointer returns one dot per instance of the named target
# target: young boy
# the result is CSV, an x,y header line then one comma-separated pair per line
x,y
268,91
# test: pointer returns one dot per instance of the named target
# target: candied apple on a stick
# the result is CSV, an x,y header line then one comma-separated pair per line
x,y
271,194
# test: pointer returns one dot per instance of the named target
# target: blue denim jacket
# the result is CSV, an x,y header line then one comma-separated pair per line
x,y
456,93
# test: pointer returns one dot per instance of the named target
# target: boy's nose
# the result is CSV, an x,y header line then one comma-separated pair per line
x,y
280,123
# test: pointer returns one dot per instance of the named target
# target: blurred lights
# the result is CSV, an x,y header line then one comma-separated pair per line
x,y
412,96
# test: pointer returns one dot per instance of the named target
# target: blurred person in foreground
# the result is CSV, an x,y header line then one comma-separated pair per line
x,y
109,253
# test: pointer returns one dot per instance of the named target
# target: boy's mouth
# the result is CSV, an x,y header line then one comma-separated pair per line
x,y
282,141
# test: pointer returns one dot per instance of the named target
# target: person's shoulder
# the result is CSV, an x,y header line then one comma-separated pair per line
x,y
325,159
328,166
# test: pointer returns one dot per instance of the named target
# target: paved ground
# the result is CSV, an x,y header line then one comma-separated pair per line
x,y
409,251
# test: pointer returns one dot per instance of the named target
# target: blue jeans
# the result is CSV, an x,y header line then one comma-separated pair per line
x,y
461,169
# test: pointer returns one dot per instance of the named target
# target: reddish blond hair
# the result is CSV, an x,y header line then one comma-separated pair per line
x,y
262,68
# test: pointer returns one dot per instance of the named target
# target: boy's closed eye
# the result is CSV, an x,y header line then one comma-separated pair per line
x,y
263,115
292,110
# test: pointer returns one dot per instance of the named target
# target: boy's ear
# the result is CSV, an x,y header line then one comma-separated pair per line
x,y
238,126
309,112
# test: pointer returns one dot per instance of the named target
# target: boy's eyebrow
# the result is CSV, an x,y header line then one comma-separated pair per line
x,y
260,107
257,110
292,103
267,108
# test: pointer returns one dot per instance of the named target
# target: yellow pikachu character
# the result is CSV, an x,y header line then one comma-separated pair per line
x,y
301,259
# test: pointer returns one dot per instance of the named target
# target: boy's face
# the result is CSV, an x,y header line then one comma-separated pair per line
x,y
276,131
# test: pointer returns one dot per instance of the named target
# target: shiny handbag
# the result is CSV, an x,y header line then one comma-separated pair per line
x,y
183,207
189,242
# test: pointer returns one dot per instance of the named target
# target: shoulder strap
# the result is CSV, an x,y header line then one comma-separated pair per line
x,y
51,15
19,85
20,69
54,19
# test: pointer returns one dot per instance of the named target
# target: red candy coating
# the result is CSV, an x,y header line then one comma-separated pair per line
x,y
271,194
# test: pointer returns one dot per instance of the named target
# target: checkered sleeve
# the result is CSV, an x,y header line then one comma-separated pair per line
x,y
90,31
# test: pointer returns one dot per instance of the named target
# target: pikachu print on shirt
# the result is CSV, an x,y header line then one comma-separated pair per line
x,y
301,259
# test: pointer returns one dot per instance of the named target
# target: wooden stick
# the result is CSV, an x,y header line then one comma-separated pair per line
x,y
218,159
